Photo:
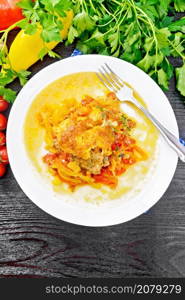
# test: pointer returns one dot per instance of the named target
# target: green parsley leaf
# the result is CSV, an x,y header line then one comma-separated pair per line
x,y
149,42
51,35
25,4
162,79
7,76
73,33
114,40
53,54
43,52
162,37
29,28
180,75
177,44
179,5
82,22
8,94
146,62
178,25
23,76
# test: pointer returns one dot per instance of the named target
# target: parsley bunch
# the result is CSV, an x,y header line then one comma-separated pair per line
x,y
142,32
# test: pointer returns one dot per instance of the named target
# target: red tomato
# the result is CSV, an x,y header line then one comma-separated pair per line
x,y
2,138
3,122
4,155
2,169
9,13
116,146
3,103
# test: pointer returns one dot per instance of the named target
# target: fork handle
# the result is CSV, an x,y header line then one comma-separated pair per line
x,y
171,139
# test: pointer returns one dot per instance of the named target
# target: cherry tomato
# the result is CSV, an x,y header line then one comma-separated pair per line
x,y
3,104
2,138
2,169
9,13
4,155
3,122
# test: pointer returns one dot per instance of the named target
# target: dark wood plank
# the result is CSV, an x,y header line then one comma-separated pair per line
x,y
34,244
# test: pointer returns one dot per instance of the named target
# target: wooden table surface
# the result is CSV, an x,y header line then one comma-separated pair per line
x,y
34,244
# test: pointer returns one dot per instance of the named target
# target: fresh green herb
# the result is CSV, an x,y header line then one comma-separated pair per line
x,y
114,129
47,13
143,32
125,122
180,73
7,94
138,31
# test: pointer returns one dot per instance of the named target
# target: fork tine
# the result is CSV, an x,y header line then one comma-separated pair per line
x,y
107,80
104,83
121,82
111,78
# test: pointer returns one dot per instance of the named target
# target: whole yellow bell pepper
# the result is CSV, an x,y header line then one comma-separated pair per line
x,y
25,49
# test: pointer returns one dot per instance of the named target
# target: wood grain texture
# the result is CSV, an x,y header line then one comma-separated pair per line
x,y
34,244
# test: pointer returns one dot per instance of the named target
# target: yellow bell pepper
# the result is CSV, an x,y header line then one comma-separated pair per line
x,y
24,50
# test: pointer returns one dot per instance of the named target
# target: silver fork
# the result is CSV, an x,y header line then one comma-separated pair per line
x,y
125,94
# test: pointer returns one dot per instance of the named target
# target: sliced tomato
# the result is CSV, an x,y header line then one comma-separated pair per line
x,y
10,13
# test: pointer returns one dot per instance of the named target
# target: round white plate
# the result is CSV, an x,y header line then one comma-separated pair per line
x,y
75,212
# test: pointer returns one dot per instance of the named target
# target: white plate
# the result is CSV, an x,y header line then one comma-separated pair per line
x,y
74,212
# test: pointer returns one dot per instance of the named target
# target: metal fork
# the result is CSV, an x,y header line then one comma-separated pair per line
x,y
125,94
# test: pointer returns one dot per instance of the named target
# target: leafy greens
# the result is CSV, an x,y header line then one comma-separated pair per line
x,y
143,32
